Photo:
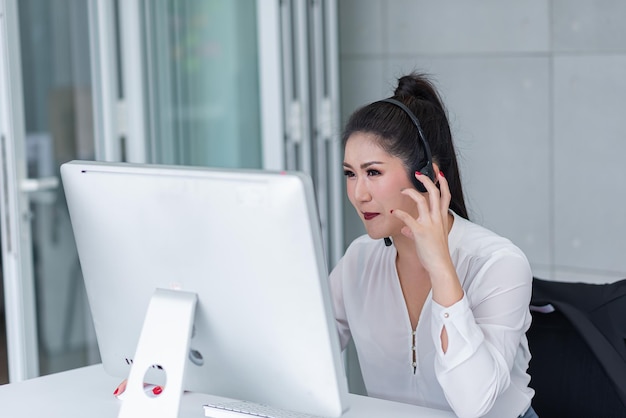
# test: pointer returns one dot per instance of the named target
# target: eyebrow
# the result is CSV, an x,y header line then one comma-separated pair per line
x,y
364,165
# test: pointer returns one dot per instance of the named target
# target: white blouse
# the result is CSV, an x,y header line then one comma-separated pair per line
x,y
484,368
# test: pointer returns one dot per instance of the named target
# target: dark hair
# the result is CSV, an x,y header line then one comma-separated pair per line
x,y
397,134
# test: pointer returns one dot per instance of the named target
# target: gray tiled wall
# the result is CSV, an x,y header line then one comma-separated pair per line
x,y
536,93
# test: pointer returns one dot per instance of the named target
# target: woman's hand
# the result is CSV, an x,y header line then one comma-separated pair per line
x,y
430,231
121,388
150,389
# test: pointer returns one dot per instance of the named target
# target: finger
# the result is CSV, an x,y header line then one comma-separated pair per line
x,y
446,198
407,232
403,216
410,223
432,190
121,388
418,198
446,195
413,194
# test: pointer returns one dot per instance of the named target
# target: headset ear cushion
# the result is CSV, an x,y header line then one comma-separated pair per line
x,y
427,171
418,184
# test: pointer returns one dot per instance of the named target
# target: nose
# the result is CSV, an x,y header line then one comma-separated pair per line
x,y
361,191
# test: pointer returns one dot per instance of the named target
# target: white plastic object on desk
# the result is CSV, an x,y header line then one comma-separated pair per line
x,y
164,342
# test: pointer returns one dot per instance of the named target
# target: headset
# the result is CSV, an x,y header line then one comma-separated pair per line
x,y
426,169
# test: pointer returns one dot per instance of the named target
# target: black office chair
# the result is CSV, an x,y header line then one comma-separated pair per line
x,y
578,365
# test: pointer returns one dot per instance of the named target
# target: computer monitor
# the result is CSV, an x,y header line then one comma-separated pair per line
x,y
246,243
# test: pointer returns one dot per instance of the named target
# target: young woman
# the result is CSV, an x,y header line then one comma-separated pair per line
x,y
437,306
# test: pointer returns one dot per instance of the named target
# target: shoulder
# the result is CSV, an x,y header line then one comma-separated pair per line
x,y
481,255
477,241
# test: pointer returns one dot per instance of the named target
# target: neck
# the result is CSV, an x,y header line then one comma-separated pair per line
x,y
405,246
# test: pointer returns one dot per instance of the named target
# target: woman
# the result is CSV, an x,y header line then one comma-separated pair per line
x,y
437,306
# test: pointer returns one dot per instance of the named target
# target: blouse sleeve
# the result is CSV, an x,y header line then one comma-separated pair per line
x,y
336,289
484,332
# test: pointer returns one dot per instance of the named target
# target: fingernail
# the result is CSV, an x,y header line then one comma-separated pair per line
x,y
391,211
157,390
417,173
441,173
116,391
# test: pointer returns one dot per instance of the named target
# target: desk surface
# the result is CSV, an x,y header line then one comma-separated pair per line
x,y
88,392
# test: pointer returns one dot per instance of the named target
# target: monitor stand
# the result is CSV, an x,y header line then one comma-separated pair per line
x,y
163,343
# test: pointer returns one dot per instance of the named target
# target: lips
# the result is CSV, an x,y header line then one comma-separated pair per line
x,y
370,215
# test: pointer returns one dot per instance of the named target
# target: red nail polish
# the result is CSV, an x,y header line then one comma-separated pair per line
x,y
391,211
441,173
417,173
116,391
157,390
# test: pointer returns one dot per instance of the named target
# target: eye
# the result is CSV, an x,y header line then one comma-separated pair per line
x,y
372,172
348,173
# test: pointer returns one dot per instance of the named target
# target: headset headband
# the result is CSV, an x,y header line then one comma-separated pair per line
x,y
428,168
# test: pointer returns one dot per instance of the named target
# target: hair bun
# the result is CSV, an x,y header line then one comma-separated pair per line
x,y
419,87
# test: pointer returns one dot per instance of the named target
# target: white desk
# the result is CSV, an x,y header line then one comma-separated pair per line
x,y
88,392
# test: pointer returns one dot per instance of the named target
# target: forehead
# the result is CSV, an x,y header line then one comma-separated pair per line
x,y
364,146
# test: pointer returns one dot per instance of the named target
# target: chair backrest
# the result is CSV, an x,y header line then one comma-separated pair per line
x,y
578,347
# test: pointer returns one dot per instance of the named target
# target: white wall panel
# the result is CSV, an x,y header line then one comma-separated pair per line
x,y
592,26
590,172
361,29
460,26
361,82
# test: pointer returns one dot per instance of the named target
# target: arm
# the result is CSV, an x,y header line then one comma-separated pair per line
x,y
476,331
483,338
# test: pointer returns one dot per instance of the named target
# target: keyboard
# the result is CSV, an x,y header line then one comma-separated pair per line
x,y
243,409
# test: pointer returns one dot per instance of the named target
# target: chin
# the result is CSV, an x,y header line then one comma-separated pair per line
x,y
377,235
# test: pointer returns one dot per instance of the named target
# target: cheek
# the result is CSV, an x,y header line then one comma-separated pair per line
x,y
390,191
350,191
409,206
394,199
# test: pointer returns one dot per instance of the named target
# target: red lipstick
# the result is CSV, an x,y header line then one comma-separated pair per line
x,y
369,215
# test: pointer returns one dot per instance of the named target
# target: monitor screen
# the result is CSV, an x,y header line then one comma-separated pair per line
x,y
246,242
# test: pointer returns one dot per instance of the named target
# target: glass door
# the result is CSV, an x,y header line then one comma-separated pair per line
x,y
47,121
202,76
194,79
18,283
